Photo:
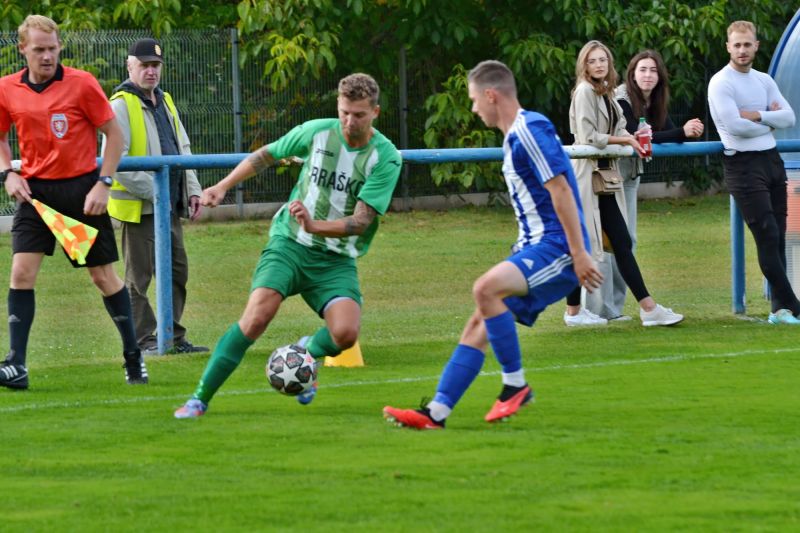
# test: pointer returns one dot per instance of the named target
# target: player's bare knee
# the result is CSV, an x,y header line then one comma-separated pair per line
x,y
483,291
106,279
99,277
255,320
253,326
22,279
345,337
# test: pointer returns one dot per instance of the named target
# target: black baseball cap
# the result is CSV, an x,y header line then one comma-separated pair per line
x,y
146,50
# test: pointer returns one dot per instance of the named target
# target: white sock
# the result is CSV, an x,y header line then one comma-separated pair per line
x,y
515,379
439,411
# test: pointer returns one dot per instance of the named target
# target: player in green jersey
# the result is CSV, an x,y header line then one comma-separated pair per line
x,y
349,173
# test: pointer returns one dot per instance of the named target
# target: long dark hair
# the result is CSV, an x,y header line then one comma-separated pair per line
x,y
656,112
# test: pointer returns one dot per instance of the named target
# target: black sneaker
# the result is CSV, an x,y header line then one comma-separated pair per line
x,y
13,376
135,371
185,346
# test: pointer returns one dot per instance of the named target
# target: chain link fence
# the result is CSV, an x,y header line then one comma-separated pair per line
x,y
199,73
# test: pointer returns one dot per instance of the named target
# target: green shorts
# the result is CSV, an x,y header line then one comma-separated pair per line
x,y
316,275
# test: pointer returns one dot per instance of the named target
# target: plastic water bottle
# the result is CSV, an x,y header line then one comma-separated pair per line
x,y
644,134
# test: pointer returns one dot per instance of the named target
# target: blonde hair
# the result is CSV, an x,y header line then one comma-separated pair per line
x,y
742,26
37,22
359,86
605,86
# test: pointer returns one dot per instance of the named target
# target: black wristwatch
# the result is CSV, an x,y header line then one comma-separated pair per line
x,y
106,180
4,174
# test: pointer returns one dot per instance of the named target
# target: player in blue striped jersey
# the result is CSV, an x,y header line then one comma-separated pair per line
x,y
550,258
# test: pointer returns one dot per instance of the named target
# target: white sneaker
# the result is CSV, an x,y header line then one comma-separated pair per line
x,y
660,316
584,318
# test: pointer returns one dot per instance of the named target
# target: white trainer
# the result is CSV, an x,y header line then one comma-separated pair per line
x,y
660,316
584,318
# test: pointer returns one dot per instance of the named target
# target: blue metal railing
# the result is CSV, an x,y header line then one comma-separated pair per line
x,y
162,164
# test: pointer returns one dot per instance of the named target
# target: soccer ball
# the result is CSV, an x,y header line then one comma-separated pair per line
x,y
291,370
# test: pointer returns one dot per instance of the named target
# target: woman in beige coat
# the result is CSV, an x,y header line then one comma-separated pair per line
x,y
596,119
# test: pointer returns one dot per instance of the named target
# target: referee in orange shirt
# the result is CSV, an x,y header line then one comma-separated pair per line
x,y
57,111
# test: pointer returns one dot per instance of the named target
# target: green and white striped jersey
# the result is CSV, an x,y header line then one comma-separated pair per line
x,y
333,178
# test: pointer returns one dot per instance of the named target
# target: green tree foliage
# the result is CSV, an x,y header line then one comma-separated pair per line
x,y
158,16
299,40
295,38
539,40
457,127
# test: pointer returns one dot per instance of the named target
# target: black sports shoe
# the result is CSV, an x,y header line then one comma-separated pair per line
x,y
185,346
135,371
13,376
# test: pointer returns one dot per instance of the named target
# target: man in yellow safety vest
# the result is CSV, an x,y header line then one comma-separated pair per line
x,y
151,126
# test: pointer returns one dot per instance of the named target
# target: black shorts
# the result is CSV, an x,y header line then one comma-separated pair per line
x,y
29,233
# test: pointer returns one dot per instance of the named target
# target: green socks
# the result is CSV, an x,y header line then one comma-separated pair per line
x,y
322,345
227,355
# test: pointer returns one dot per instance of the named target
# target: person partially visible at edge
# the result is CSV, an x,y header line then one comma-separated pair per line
x,y
151,125
645,93
596,119
57,112
348,176
747,106
550,258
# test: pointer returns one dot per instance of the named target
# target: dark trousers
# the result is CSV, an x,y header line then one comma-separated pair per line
x,y
613,224
138,249
757,181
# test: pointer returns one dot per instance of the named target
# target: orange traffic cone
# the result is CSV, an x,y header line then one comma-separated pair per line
x,y
351,357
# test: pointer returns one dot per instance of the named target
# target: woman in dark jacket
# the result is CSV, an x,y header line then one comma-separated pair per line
x,y
645,93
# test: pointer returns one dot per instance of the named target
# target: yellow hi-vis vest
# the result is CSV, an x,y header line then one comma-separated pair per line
x,y
122,205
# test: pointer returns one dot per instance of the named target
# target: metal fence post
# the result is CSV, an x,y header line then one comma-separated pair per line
x,y
163,245
403,88
737,259
237,112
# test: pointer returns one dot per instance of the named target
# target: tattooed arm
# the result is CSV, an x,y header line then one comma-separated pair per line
x,y
355,224
251,165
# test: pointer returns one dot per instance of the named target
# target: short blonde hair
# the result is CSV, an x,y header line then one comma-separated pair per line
x,y
742,26
359,86
37,22
493,74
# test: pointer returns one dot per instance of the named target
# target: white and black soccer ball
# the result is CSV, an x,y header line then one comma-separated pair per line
x,y
291,370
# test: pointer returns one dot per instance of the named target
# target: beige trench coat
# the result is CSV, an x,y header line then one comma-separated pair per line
x,y
589,123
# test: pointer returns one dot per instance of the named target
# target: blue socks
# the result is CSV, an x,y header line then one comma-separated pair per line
x,y
466,361
459,373
502,333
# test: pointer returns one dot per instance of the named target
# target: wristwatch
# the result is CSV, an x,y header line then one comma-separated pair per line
x,y
4,174
106,180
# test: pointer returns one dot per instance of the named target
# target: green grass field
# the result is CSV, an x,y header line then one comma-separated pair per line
x,y
691,428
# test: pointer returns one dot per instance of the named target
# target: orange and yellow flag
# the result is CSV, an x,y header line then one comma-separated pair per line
x,y
76,237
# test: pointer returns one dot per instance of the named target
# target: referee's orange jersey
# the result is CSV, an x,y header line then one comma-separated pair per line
x,y
57,128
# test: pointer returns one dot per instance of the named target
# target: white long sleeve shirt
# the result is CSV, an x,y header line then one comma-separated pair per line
x,y
731,91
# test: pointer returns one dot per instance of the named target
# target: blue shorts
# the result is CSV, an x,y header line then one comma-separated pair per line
x,y
548,269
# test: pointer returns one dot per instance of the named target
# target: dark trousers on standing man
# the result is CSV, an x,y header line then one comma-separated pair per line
x,y
757,181
138,249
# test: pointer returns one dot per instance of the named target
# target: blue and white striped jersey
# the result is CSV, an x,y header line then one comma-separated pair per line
x,y
533,155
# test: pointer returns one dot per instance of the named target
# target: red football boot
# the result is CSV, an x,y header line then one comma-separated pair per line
x,y
412,418
503,409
